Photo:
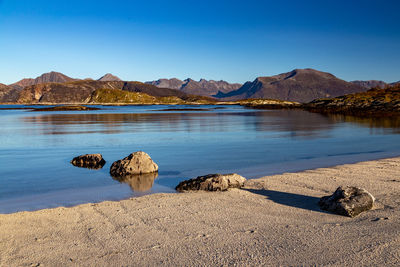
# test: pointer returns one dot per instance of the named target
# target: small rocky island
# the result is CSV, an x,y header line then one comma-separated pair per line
x,y
66,108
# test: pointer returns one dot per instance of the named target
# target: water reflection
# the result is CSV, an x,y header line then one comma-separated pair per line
x,y
138,182
294,122
184,144
376,124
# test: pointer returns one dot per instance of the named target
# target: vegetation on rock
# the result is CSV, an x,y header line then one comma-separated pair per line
x,y
375,102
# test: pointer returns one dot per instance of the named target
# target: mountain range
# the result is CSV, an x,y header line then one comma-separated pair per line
x,y
300,85
90,91
202,87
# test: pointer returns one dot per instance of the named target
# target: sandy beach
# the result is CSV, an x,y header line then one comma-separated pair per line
x,y
275,220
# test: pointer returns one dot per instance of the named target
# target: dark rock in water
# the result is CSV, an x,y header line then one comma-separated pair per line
x,y
138,182
348,201
65,108
212,182
91,161
136,163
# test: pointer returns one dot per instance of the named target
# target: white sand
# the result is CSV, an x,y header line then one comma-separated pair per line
x,y
277,224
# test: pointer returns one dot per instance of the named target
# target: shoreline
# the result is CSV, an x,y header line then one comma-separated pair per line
x,y
97,195
274,220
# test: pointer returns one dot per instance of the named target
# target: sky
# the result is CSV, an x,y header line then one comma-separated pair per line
x,y
236,41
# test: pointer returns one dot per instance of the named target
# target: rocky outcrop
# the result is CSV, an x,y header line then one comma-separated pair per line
x,y
348,201
136,163
269,104
91,161
374,102
212,182
138,182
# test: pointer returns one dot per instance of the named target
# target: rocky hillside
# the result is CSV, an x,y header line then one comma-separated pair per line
x,y
109,78
53,76
82,92
373,102
7,93
202,87
125,97
300,85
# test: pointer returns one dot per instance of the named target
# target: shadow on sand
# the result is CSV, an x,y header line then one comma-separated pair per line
x,y
289,199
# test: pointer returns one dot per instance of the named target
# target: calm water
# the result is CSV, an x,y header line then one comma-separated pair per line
x,y
36,148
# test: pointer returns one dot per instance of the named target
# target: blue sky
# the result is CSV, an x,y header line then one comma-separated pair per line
x,y
232,40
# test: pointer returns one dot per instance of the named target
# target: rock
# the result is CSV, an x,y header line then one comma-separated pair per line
x,y
212,182
91,161
136,163
348,201
138,182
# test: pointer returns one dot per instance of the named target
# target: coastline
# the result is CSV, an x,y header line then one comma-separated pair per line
x,y
273,221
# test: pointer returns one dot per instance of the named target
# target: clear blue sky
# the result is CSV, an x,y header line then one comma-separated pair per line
x,y
231,40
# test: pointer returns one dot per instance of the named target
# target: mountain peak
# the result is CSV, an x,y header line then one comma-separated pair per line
x,y
300,85
109,78
53,76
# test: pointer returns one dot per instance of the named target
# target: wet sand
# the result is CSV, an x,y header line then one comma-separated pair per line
x,y
275,220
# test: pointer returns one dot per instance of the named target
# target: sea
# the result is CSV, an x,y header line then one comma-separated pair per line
x,y
185,141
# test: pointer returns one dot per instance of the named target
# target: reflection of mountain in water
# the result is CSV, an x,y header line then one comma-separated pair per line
x,y
138,182
294,123
387,124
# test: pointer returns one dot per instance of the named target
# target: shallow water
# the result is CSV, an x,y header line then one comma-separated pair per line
x,y
36,148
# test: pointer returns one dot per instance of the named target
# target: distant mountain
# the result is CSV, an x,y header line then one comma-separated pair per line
x,y
202,87
173,83
300,85
109,78
371,84
395,83
87,91
55,77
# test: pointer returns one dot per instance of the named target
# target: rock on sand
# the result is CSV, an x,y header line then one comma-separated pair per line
x,y
348,201
212,182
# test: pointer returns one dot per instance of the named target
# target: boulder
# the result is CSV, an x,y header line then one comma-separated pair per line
x,y
348,201
212,182
136,163
138,182
91,161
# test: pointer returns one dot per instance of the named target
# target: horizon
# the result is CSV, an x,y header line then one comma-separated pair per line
x,y
227,40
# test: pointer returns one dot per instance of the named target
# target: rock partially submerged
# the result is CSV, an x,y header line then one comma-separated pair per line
x,y
138,182
212,182
91,161
136,163
348,201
